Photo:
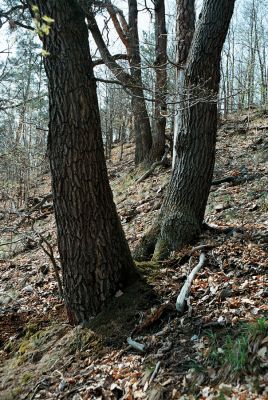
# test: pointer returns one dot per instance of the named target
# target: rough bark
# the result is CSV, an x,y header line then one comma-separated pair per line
x,y
185,27
141,119
95,257
184,206
159,139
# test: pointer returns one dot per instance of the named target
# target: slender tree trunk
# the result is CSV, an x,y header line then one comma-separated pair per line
x,y
132,81
184,206
95,257
159,138
141,119
185,27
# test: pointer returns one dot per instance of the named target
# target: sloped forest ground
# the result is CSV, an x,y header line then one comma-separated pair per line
x,y
218,349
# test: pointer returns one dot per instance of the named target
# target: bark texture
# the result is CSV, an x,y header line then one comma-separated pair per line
x,y
184,206
141,119
159,139
185,27
95,257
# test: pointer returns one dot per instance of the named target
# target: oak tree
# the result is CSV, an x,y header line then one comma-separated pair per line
x,y
95,257
183,210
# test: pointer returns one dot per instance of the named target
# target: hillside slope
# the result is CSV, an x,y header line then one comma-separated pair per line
x,y
217,349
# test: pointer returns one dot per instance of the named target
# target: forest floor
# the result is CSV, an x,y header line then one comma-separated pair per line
x,y
218,349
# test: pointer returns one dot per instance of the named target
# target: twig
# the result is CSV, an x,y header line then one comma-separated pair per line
x,y
49,252
36,207
153,376
202,247
180,303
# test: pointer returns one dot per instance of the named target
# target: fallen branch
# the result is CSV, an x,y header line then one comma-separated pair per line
x,y
154,165
35,208
49,252
136,345
223,180
202,247
236,180
181,299
157,367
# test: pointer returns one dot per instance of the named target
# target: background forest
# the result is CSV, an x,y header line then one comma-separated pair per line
x,y
187,317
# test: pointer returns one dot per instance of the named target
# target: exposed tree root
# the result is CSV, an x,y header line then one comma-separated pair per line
x,y
154,165
181,299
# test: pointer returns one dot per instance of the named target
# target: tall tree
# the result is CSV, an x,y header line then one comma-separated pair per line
x,y
185,27
160,65
183,210
128,32
95,257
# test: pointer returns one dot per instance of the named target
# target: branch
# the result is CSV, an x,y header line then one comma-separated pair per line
x,y
136,345
115,57
180,303
50,254
154,165
108,59
108,81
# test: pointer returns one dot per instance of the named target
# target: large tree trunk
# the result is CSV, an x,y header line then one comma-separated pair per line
x,y
184,206
95,257
159,138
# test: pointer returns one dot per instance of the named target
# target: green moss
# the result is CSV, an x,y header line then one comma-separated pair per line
x,y
161,250
32,341
148,269
27,377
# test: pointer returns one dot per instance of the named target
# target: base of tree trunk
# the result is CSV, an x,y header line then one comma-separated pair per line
x,y
145,248
160,240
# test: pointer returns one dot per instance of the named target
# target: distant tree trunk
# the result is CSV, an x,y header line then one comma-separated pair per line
x,y
184,206
133,81
185,27
159,138
141,119
95,257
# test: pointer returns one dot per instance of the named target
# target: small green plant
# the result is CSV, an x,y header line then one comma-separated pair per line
x,y
233,351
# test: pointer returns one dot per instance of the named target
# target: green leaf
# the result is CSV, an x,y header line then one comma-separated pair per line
x,y
35,9
45,29
47,19
45,53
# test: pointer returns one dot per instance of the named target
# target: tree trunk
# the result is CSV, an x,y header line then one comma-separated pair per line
x,y
185,27
95,257
132,81
184,206
159,138
142,126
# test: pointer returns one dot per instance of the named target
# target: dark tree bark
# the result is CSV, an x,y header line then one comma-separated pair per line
x,y
141,119
184,206
185,27
159,138
95,257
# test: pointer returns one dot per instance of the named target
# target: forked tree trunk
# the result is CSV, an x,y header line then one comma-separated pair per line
x,y
184,206
95,257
